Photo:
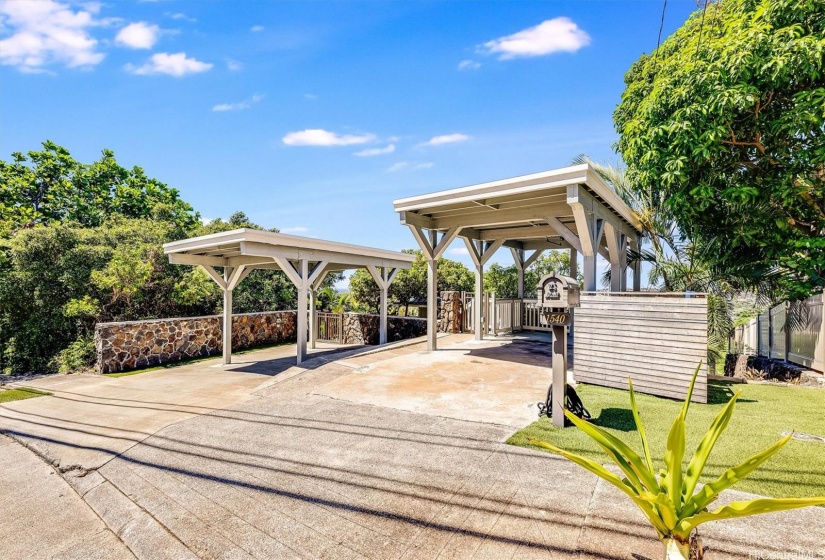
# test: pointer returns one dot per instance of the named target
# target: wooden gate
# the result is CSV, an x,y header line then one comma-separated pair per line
x,y
498,316
330,327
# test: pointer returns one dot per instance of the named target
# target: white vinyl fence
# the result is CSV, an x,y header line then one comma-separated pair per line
x,y
767,335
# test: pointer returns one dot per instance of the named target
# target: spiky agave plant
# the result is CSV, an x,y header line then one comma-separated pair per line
x,y
670,500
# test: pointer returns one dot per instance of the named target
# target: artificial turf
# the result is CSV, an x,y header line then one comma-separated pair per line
x,y
763,412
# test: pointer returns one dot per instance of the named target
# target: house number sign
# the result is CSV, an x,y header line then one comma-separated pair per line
x,y
557,318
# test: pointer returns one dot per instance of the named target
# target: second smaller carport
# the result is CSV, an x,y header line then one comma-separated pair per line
x,y
228,257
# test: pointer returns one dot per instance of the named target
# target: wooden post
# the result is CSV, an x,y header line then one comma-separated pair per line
x,y
382,330
559,374
432,307
227,318
433,249
313,318
478,304
301,330
493,314
589,265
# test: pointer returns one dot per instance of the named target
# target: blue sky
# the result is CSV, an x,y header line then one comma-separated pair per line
x,y
314,116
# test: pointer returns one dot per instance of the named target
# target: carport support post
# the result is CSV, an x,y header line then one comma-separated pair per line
x,y
313,317
232,276
586,223
313,305
478,303
227,318
480,251
433,249
636,266
432,304
559,374
304,281
383,276
301,331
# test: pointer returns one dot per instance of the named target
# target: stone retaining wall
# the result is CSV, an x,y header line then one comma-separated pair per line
x,y
132,345
137,344
362,328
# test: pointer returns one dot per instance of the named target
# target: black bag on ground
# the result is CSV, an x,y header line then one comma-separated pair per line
x,y
572,403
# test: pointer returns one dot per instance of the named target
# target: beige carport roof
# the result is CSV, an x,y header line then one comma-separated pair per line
x,y
306,261
541,210
255,248
569,208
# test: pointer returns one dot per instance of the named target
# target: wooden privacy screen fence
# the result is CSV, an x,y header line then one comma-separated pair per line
x,y
657,339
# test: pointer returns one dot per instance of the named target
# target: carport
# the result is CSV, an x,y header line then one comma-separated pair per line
x,y
228,257
569,208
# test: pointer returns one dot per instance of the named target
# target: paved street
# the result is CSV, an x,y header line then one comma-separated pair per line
x,y
263,461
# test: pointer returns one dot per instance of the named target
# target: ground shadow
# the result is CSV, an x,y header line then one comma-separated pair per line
x,y
528,350
617,418
720,392
279,365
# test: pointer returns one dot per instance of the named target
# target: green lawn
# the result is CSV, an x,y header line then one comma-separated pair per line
x,y
18,394
762,413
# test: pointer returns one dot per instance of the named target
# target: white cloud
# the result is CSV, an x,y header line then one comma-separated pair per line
x,y
93,7
559,34
181,17
469,65
238,106
257,28
459,251
409,166
294,230
177,65
445,139
376,151
233,65
45,32
140,35
320,137
310,96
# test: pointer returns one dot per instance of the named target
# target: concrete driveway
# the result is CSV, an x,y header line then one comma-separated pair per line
x,y
258,462
495,381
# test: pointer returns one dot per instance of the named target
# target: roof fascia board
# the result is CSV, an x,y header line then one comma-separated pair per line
x,y
272,239
514,185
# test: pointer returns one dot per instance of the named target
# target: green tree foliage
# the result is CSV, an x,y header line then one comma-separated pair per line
x,y
83,243
725,125
49,186
57,281
409,286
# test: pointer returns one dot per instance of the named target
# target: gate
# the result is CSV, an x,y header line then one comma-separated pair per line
x,y
330,327
498,316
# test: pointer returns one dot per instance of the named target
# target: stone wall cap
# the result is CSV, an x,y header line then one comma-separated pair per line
x,y
197,318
